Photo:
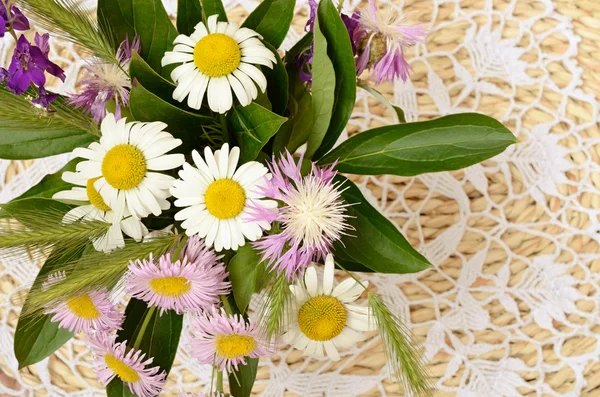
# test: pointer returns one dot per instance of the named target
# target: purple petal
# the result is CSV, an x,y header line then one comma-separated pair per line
x,y
19,21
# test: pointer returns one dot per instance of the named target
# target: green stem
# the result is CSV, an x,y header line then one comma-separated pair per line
x,y
226,305
340,6
140,335
224,129
220,382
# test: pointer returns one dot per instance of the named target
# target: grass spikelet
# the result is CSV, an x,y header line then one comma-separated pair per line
x,y
96,270
18,114
39,229
273,313
69,20
403,359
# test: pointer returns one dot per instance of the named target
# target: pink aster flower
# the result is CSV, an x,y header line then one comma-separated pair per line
x,y
312,217
225,340
193,282
113,358
87,313
382,37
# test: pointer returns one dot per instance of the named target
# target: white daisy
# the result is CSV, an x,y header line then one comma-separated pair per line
x,y
323,320
123,163
215,60
96,209
219,197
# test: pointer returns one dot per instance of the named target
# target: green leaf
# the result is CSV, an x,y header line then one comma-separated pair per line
x,y
339,50
272,19
444,144
277,83
29,205
146,18
145,106
33,143
323,91
246,376
375,242
247,275
51,184
157,336
140,71
36,337
301,114
189,13
253,126
212,7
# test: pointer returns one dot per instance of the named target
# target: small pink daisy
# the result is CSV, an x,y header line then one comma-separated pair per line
x,y
225,340
192,283
312,218
113,358
87,313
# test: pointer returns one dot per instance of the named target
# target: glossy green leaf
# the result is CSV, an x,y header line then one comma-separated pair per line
x,y
189,14
339,50
253,126
146,330
51,184
36,337
444,144
212,7
323,91
277,83
146,18
246,376
272,19
247,275
145,106
141,72
375,242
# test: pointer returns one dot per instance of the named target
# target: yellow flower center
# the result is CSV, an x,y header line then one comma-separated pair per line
x,y
124,166
322,318
122,370
95,197
83,307
217,55
234,346
225,199
171,287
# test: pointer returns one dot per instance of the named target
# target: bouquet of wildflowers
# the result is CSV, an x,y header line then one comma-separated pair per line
x,y
204,174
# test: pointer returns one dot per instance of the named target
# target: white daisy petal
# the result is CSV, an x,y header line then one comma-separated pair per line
x,y
311,281
255,74
328,275
220,99
175,57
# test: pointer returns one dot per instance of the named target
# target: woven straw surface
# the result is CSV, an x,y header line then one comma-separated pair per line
x,y
440,213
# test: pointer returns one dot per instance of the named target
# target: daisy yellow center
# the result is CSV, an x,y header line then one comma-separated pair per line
x,y
83,307
225,199
234,346
171,287
95,197
124,166
122,370
322,318
217,54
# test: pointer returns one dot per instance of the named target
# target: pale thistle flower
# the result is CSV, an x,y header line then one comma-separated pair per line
x,y
381,38
107,81
312,217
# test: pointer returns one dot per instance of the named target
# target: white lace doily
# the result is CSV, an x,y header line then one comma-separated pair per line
x,y
511,306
